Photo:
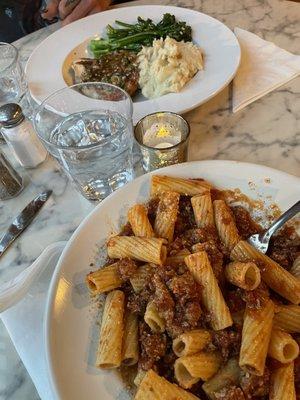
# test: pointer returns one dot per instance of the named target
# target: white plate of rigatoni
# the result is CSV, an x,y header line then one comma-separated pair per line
x,y
183,307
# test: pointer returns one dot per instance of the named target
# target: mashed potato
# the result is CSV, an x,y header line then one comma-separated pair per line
x,y
167,66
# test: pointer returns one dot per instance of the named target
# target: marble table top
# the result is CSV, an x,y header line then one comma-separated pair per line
x,y
266,132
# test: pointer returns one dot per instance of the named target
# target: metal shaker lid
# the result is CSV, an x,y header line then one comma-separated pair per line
x,y
11,114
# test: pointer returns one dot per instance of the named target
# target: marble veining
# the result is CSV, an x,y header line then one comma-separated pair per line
x,y
266,132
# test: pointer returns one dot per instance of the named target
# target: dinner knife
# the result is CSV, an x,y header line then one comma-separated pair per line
x,y
24,219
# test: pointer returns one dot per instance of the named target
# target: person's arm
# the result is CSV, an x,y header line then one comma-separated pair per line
x,y
51,11
72,10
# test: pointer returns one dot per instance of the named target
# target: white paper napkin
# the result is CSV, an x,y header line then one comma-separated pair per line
x,y
264,67
25,319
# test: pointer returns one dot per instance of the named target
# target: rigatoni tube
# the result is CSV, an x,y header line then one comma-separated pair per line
x,y
191,342
256,336
187,187
228,375
154,387
150,250
287,317
203,210
109,354
213,300
178,257
283,383
166,215
138,219
190,369
245,275
282,346
130,349
225,224
279,279
153,319
104,279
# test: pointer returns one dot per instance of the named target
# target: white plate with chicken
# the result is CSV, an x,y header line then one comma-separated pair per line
x,y
80,51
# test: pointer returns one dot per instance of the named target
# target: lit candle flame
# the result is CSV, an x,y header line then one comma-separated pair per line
x,y
163,132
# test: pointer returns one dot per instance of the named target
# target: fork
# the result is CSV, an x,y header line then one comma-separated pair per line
x,y
261,240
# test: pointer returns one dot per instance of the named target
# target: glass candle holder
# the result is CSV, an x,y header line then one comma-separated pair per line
x,y
163,139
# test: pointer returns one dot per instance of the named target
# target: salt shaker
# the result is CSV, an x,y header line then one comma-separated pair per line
x,y
11,183
20,136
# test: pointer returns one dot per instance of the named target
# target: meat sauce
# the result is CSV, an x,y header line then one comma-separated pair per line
x,y
285,247
177,297
119,68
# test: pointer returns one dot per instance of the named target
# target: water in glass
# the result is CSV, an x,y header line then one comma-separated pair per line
x,y
95,148
12,81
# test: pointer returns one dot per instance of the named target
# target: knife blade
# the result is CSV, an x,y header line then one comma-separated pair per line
x,y
21,222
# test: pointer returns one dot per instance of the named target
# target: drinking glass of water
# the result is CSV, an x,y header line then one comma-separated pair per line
x,y
88,128
12,81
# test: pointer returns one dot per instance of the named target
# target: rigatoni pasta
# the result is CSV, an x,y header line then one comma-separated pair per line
x,y
283,383
282,346
109,354
150,250
154,387
191,342
153,319
256,336
176,304
187,187
104,279
166,215
272,273
139,221
190,369
287,317
228,375
244,275
130,347
212,297
203,210
178,257
225,224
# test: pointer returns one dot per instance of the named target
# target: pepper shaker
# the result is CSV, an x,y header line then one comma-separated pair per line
x,y
21,137
11,183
